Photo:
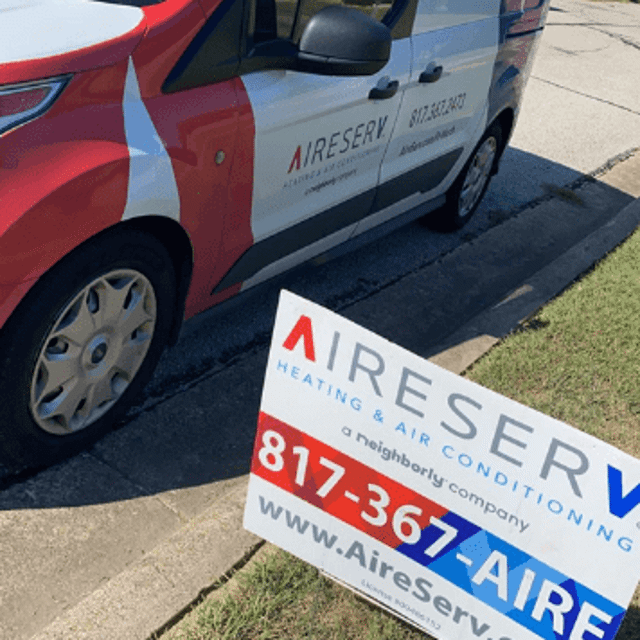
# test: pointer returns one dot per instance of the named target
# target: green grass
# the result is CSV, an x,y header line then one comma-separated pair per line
x,y
578,360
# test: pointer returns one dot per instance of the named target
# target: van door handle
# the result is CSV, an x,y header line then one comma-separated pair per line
x,y
431,74
384,93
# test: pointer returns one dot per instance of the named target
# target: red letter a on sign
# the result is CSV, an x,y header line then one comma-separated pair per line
x,y
302,330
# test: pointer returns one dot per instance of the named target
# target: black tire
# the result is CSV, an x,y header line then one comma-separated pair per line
x,y
108,285
466,193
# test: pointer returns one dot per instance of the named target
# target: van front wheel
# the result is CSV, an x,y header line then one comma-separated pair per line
x,y
81,345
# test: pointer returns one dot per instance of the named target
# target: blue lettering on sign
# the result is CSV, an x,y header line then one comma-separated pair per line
x,y
318,384
620,505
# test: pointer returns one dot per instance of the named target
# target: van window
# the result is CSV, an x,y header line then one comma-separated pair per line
x,y
286,19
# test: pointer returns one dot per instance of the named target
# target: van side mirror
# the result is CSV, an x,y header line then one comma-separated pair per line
x,y
340,41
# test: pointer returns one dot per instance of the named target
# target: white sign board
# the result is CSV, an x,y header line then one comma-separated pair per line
x,y
467,513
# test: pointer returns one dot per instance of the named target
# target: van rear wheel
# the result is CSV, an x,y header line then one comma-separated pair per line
x,y
466,193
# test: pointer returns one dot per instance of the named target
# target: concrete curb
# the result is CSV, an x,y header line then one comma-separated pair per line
x,y
141,600
476,337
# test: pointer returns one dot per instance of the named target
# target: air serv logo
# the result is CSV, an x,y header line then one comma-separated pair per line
x,y
338,143
508,515
563,461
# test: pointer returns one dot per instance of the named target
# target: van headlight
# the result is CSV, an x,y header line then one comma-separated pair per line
x,y
21,103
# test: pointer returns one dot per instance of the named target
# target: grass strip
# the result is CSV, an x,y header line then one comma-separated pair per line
x,y
577,360
279,597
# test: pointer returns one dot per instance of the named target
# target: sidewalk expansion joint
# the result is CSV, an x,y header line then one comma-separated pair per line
x,y
142,491
585,24
587,95
618,37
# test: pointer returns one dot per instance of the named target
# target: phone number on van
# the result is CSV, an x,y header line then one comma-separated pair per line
x,y
437,110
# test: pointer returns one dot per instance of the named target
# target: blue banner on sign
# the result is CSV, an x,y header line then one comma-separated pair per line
x,y
528,591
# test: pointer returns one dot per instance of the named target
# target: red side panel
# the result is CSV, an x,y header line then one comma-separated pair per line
x,y
63,177
195,125
208,133
237,234
172,26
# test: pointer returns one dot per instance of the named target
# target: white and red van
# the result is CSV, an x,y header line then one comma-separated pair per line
x,y
158,156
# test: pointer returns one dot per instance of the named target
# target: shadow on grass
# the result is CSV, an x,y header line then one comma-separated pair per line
x,y
630,627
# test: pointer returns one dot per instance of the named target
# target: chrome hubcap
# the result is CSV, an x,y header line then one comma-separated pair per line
x,y
477,176
95,349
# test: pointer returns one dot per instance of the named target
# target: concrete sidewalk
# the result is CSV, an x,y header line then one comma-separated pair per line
x,y
113,543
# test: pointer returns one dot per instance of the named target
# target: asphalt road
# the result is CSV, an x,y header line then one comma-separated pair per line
x,y
75,534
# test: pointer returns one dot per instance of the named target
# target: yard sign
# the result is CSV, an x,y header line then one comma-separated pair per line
x,y
465,512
